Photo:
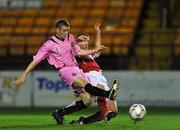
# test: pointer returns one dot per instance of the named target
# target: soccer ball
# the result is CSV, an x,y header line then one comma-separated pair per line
x,y
137,112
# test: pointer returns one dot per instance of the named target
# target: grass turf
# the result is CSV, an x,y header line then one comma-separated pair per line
x,y
40,119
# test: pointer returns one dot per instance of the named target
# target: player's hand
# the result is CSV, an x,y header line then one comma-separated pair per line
x,y
20,80
97,27
100,48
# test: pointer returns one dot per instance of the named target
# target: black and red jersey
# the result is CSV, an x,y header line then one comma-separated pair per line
x,y
87,63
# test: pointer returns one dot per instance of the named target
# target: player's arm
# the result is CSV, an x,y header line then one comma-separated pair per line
x,y
42,54
98,39
83,52
22,78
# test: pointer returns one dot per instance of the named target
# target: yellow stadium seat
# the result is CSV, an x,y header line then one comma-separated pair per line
x,y
3,45
117,3
129,22
25,21
80,12
76,30
22,30
89,30
15,50
114,13
47,12
123,30
35,40
92,20
6,30
100,4
4,40
19,40
133,13
3,50
122,40
118,19
64,13
135,3
97,12
39,30
52,30
3,12
14,12
17,45
43,21
50,3
84,3
177,43
32,50
120,50
67,4
31,12
10,21
77,21
106,39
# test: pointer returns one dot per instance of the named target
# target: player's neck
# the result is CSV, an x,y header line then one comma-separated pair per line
x,y
58,37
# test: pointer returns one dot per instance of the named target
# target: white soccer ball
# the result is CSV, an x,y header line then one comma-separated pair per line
x,y
137,112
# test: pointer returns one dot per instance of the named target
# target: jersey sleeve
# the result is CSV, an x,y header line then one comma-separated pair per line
x,y
75,47
42,53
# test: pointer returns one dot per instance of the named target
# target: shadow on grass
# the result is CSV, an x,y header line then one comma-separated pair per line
x,y
102,126
28,126
116,126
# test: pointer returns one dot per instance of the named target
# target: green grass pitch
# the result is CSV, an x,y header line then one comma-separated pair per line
x,y
40,119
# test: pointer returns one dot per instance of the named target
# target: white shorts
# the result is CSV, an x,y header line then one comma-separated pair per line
x,y
96,77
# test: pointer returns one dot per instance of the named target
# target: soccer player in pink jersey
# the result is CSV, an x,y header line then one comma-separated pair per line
x,y
60,51
107,108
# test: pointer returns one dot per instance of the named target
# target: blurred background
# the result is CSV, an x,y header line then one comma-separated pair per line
x,y
143,37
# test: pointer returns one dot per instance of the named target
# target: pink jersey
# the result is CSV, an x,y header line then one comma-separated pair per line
x,y
58,53
61,54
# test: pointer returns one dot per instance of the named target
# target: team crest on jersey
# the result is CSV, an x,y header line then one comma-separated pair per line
x,y
74,74
72,44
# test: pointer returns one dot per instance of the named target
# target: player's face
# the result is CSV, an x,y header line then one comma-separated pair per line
x,y
83,41
63,31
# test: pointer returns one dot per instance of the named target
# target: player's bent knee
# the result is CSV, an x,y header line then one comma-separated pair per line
x,y
100,86
112,106
87,102
86,98
79,82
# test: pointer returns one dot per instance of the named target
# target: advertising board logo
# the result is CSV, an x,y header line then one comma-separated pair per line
x,y
8,90
52,85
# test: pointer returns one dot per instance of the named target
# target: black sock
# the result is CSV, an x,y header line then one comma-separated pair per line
x,y
96,91
75,106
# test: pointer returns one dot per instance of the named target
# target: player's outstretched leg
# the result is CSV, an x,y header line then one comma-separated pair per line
x,y
58,115
110,115
114,89
59,119
111,94
105,113
99,116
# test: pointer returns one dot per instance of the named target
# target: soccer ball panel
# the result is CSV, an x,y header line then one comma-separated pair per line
x,y
137,112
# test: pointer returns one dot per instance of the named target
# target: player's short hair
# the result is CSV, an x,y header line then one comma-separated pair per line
x,y
62,22
80,34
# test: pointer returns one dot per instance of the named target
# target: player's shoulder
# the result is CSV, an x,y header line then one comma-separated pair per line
x,y
70,37
49,42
